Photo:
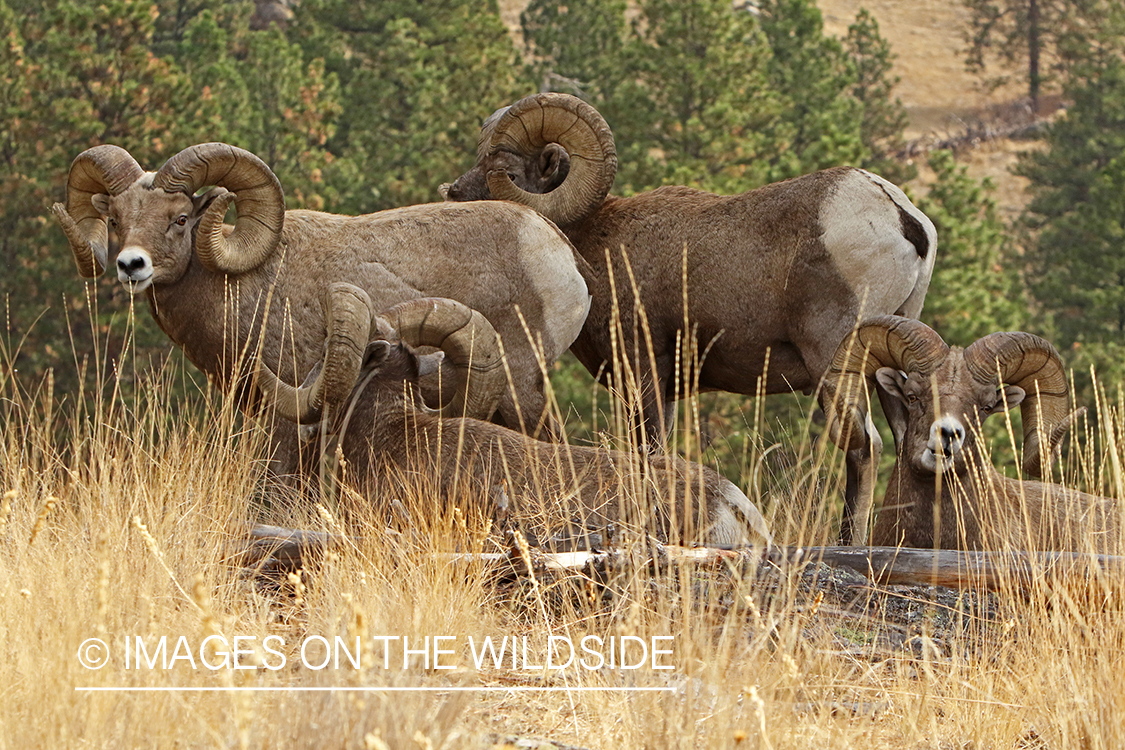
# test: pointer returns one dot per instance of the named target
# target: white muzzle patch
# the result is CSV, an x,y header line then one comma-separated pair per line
x,y
134,268
947,436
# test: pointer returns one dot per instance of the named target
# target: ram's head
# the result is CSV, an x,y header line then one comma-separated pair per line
x,y
361,346
158,218
551,152
943,393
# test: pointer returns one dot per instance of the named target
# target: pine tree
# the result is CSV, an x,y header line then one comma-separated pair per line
x,y
1045,39
416,80
815,79
1077,269
294,106
884,117
700,110
975,289
578,47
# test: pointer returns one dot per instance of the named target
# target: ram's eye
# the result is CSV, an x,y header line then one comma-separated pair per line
x,y
181,219
112,222
911,398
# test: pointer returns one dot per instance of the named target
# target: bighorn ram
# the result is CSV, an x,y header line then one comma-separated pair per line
x,y
942,490
227,294
779,274
386,433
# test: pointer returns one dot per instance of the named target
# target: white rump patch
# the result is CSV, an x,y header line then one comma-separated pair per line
x,y
863,235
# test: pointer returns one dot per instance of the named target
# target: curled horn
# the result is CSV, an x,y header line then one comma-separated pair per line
x,y
469,343
885,341
1033,364
349,322
255,191
535,121
101,169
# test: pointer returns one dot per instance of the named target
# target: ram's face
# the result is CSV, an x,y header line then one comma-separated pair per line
x,y
944,410
534,173
154,232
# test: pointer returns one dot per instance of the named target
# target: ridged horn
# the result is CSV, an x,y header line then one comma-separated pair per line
x,y
101,169
884,341
540,119
1031,363
255,191
469,343
348,319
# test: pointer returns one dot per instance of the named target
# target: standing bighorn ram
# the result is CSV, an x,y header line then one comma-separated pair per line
x,y
943,491
228,296
779,274
386,434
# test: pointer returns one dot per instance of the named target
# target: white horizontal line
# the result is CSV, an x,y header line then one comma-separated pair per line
x,y
453,689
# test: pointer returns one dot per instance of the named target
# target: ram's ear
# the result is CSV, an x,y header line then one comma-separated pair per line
x,y
428,364
889,388
376,353
1011,396
892,381
554,166
203,200
101,203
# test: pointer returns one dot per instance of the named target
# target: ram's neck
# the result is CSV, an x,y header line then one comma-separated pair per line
x,y
215,318
926,510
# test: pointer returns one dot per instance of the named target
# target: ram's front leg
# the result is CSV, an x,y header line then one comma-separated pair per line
x,y
850,428
862,465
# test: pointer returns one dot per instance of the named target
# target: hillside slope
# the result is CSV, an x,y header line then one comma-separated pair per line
x,y
927,38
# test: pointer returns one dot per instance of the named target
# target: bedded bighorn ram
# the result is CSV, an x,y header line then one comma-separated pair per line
x,y
942,490
213,288
779,274
386,435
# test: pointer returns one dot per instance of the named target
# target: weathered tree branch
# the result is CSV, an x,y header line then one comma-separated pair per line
x,y
272,549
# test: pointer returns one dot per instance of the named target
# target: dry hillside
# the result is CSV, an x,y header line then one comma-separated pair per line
x,y
927,37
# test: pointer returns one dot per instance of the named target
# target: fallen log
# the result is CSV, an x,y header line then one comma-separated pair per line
x,y
952,568
273,548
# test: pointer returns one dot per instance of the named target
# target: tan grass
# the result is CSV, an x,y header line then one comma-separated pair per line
x,y
149,495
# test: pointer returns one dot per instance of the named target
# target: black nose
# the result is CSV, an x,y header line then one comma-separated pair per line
x,y
129,266
950,436
951,433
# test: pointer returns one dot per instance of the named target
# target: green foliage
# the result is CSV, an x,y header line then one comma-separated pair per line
x,y
1077,270
416,81
700,92
702,109
975,289
884,116
293,106
815,78
578,47
267,99
1043,39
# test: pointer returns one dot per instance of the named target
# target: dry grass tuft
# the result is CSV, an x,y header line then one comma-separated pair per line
x,y
118,521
